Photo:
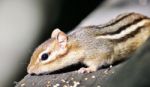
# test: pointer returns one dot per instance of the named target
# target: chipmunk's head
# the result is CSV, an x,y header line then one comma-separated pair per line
x,y
49,55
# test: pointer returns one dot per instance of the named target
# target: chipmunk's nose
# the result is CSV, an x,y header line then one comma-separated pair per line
x,y
30,70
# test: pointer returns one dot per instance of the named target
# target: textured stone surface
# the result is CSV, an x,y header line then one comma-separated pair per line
x,y
68,79
133,72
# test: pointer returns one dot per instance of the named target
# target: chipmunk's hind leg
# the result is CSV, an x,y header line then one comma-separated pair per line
x,y
94,61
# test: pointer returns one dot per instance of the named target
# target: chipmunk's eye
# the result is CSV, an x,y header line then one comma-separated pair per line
x,y
44,56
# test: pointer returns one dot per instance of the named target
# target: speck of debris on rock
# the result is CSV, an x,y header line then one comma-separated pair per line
x,y
63,80
93,77
48,85
22,85
48,82
56,85
110,66
67,82
76,83
98,86
72,78
85,78
65,86
106,71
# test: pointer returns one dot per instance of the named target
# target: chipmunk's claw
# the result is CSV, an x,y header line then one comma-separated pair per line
x,y
86,70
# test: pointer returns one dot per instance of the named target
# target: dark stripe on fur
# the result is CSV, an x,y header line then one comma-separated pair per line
x,y
124,27
112,22
130,35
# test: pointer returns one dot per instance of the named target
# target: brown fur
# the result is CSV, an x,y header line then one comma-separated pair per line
x,y
83,46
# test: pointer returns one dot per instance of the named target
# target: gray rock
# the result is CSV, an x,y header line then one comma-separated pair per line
x,y
133,72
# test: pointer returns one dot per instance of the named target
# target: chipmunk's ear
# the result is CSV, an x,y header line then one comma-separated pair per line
x,y
61,37
55,33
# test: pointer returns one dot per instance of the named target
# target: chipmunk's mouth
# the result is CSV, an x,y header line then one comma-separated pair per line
x,y
32,71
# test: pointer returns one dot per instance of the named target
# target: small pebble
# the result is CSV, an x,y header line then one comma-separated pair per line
x,y
63,80
106,71
48,82
67,82
72,78
93,77
76,83
48,85
56,85
98,86
110,66
85,78
65,86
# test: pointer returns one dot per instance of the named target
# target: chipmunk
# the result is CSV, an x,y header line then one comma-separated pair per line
x,y
93,46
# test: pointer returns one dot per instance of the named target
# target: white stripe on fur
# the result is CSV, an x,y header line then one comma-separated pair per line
x,y
125,32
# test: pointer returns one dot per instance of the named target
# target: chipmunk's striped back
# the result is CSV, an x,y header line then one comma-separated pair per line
x,y
124,26
124,34
127,32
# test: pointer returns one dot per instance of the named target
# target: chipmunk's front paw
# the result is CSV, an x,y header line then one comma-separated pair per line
x,y
86,70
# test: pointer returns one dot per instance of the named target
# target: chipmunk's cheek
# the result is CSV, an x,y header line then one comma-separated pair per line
x,y
44,70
